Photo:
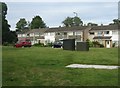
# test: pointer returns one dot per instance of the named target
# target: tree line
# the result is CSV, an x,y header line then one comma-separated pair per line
x,y
8,36
37,22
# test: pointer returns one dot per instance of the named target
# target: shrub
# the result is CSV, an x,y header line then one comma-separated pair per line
x,y
89,43
49,44
113,45
101,45
5,44
96,44
39,44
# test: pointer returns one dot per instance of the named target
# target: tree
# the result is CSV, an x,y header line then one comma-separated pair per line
x,y
29,24
68,22
77,21
72,21
7,35
20,25
115,21
92,24
37,22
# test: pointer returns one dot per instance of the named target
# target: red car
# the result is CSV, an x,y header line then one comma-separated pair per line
x,y
23,43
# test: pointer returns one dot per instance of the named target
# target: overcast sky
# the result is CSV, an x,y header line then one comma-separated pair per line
x,y
53,13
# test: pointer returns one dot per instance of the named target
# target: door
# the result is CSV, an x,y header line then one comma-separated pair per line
x,y
107,44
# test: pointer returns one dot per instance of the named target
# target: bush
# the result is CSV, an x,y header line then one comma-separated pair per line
x,y
89,43
5,44
113,45
39,44
8,44
101,45
49,45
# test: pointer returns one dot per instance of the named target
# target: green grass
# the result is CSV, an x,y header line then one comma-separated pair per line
x,y
43,66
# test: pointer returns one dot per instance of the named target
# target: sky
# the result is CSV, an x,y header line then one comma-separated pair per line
x,y
53,13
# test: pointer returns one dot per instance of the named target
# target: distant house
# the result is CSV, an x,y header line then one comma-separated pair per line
x,y
106,35
35,35
22,34
55,34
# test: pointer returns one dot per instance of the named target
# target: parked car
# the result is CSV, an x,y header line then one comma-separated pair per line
x,y
23,43
57,44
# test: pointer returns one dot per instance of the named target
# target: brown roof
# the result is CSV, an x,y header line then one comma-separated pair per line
x,y
42,30
107,27
64,29
23,31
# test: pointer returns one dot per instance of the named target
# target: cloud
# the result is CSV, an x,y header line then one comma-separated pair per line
x,y
53,13
60,0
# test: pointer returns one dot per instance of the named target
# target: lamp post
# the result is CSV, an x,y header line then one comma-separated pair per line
x,y
75,14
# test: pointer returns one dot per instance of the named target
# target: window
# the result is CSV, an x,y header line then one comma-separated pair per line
x,y
58,33
115,32
19,35
28,34
31,34
92,33
51,34
36,34
65,33
100,33
78,33
106,32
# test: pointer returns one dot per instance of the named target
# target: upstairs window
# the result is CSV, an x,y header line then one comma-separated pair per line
x,y
100,33
58,33
91,33
65,33
78,33
106,32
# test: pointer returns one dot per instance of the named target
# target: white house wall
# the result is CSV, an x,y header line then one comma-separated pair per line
x,y
115,37
50,37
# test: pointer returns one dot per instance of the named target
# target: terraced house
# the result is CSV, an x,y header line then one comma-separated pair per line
x,y
55,34
106,35
35,35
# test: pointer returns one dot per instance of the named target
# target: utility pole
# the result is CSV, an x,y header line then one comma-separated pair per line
x,y
75,14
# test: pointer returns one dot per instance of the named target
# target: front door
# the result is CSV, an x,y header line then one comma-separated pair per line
x,y
107,44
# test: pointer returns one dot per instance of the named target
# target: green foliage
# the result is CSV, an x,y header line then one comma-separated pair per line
x,y
77,21
68,22
90,43
4,9
49,45
7,35
37,22
72,21
92,24
101,45
20,25
115,22
39,44
97,44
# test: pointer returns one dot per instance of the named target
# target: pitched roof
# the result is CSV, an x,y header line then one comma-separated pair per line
x,y
23,31
42,30
64,29
107,27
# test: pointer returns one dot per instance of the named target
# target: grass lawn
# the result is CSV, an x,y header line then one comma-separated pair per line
x,y
45,66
